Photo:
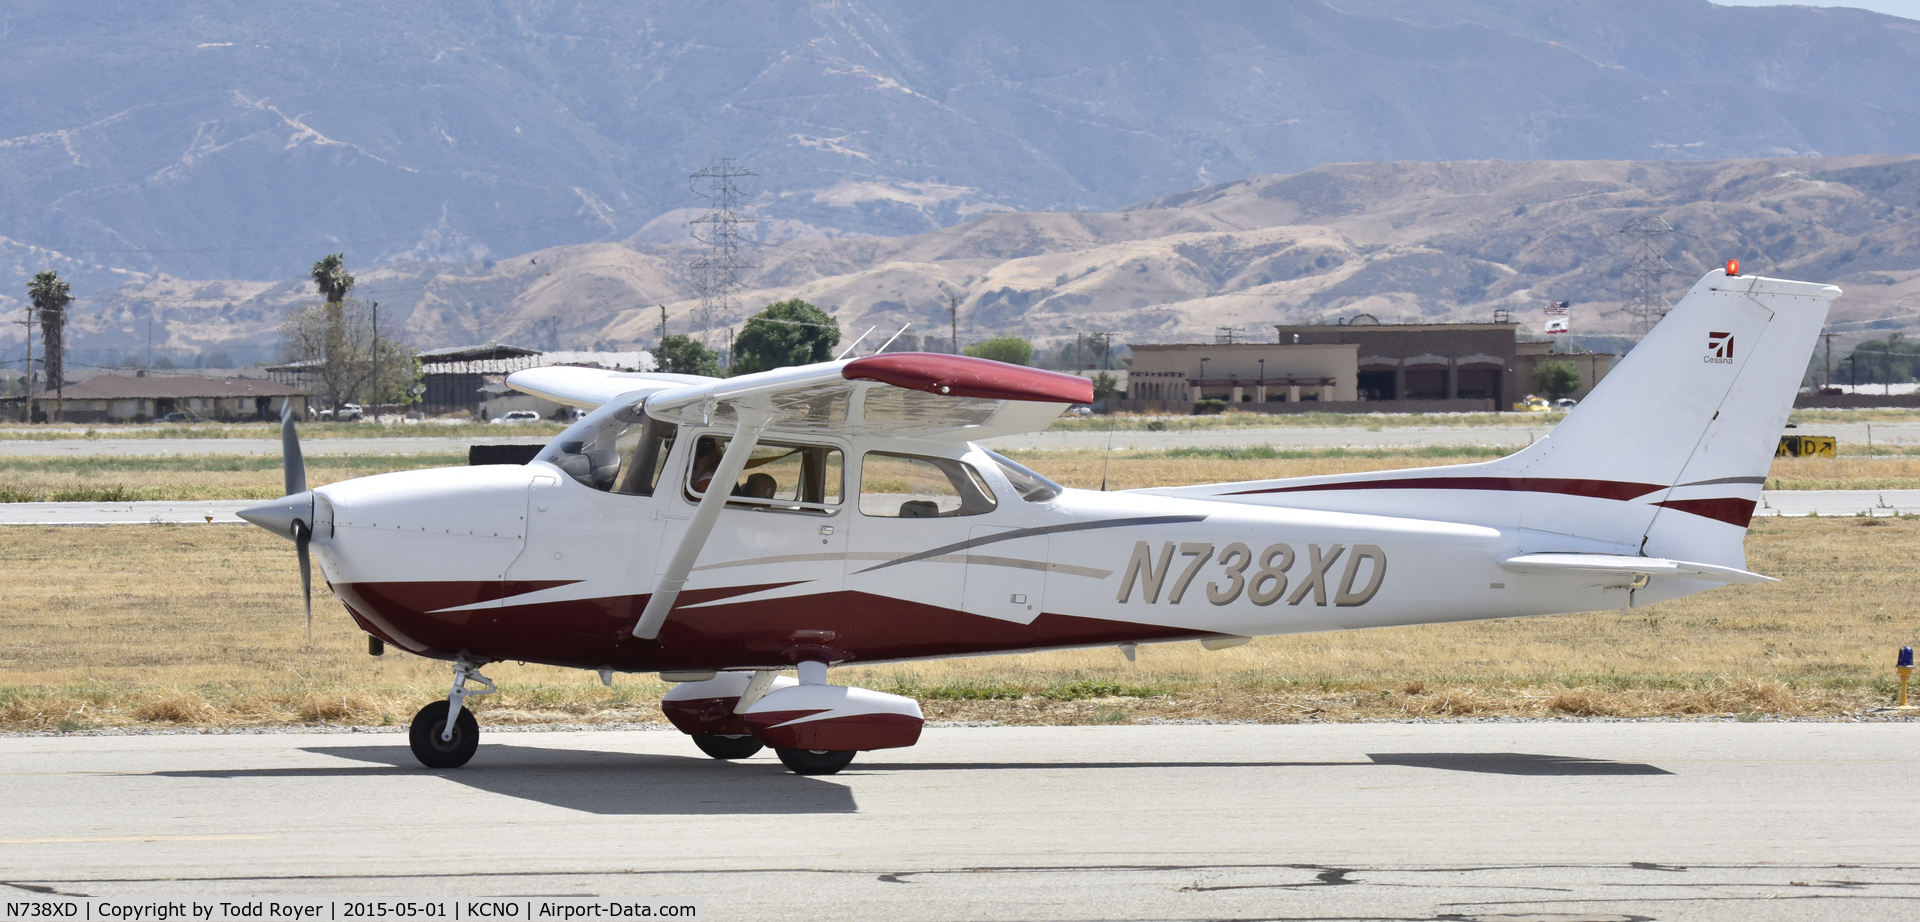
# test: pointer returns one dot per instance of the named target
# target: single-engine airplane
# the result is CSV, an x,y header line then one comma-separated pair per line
x,y
721,531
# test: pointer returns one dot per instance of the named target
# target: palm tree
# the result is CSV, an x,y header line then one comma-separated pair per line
x,y
50,297
330,276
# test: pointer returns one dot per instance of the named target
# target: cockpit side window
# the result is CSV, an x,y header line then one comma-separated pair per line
x,y
779,476
920,487
622,451
640,474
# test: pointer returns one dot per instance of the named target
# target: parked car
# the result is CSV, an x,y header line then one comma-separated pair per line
x,y
1565,403
1532,404
175,417
344,413
516,418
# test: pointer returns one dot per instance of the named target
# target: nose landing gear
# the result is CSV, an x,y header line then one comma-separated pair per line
x,y
442,743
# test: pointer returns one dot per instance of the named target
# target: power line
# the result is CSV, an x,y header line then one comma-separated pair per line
x,y
716,274
1645,269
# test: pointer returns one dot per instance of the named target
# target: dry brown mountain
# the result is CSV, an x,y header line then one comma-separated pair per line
x,y
1400,241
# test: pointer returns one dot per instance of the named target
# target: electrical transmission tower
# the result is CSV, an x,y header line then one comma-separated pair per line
x,y
716,273
1646,240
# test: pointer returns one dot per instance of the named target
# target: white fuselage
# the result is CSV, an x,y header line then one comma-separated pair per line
x,y
528,563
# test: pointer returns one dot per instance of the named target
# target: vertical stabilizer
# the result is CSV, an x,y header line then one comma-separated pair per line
x,y
1691,416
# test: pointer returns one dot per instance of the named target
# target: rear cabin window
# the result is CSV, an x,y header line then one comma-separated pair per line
x,y
917,487
778,476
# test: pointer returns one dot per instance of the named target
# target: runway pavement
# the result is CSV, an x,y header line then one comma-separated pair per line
x,y
15,448
222,512
1527,820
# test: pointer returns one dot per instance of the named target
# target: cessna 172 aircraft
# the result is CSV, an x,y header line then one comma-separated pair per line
x,y
720,531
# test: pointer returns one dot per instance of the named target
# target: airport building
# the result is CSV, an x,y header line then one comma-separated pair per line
x,y
1352,367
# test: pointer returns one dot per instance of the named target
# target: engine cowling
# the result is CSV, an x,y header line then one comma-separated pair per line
x,y
835,717
706,708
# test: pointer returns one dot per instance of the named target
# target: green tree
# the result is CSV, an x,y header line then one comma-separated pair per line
x,y
1009,349
1555,379
683,355
791,332
1104,386
337,341
1881,361
50,297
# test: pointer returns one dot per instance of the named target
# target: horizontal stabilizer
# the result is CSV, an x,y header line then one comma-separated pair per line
x,y
588,388
1624,565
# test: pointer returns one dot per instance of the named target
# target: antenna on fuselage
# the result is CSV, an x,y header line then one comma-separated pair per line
x,y
890,339
844,352
1108,459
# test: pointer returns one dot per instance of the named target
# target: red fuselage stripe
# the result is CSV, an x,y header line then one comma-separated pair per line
x,y
1725,509
1599,489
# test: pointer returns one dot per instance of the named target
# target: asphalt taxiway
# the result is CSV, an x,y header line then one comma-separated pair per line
x,y
1547,820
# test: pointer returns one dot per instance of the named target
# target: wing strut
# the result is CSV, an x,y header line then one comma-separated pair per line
x,y
753,421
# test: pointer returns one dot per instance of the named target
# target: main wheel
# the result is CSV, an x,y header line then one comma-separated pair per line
x,y
815,761
727,747
434,752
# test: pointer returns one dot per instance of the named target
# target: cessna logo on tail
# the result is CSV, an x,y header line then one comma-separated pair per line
x,y
1267,581
1719,349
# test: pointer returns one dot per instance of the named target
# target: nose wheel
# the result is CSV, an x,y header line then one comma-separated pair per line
x,y
443,741
434,746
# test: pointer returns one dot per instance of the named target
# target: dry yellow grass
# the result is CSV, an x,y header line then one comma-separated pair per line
x,y
190,477
201,625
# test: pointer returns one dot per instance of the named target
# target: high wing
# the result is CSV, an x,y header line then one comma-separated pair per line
x,y
905,394
908,394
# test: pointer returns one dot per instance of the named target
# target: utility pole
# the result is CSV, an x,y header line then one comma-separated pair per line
x,y
717,273
1106,349
28,323
953,319
376,361
1829,380
1645,269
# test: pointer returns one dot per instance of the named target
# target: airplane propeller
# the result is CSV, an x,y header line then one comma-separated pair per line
x,y
291,516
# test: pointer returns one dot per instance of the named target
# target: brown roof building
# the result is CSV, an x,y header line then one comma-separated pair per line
x,y
136,398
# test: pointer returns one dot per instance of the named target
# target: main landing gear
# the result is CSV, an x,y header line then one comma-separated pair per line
x,y
815,728
440,743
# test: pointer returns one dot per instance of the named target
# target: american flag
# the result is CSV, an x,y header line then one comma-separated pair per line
x,y
1558,308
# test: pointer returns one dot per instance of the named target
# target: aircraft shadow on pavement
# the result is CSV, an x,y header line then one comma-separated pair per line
x,y
591,781
1498,763
1514,763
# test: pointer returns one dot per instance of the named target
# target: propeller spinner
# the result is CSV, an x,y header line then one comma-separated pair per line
x,y
291,516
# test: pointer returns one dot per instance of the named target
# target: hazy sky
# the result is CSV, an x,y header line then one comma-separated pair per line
x,y
1909,9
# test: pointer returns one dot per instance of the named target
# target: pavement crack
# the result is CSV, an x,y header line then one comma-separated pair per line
x,y
37,888
1653,866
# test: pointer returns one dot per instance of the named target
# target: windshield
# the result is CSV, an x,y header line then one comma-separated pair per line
x,y
594,450
1031,486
